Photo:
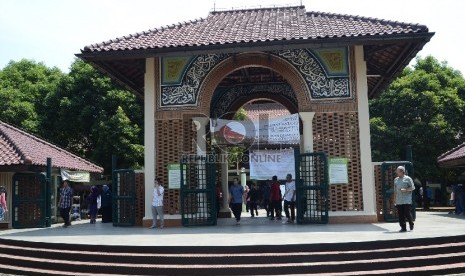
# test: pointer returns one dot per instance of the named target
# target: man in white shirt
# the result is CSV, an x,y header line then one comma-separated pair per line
x,y
157,204
289,199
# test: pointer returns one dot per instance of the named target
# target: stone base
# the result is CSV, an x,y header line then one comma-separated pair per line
x,y
225,214
353,219
170,221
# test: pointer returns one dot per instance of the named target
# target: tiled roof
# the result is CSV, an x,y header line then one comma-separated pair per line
x,y
273,110
453,155
257,25
18,147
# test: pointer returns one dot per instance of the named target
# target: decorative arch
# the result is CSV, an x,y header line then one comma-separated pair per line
x,y
284,68
229,99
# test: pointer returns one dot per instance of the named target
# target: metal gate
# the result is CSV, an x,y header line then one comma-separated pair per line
x,y
198,201
29,200
312,187
388,174
124,198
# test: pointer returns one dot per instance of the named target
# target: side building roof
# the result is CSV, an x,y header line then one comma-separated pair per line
x,y
453,158
18,147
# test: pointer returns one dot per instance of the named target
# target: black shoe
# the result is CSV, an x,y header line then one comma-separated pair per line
x,y
411,227
279,218
402,230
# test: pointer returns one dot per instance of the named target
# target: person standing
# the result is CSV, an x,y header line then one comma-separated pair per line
x,y
236,195
157,204
106,204
403,188
289,199
92,200
3,205
252,199
275,198
66,197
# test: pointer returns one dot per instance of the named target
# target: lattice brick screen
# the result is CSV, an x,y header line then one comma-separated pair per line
x,y
337,134
174,137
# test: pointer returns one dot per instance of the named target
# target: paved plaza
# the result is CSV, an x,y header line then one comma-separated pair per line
x,y
257,231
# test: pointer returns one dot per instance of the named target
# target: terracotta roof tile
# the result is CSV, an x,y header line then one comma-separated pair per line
x,y
273,110
19,147
252,25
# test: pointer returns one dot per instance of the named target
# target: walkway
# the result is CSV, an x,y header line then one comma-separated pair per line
x,y
257,231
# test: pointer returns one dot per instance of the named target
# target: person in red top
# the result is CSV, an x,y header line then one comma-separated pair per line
x,y
275,199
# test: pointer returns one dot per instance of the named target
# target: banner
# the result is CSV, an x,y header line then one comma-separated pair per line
x,y
266,163
338,173
75,176
282,130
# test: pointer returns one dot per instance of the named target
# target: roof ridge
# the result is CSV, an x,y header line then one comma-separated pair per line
x,y
451,151
42,140
367,18
272,7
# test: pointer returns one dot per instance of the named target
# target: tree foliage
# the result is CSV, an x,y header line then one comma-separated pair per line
x,y
423,107
83,111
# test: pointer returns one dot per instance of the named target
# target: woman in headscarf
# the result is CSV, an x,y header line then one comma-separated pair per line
x,y
92,200
106,204
3,205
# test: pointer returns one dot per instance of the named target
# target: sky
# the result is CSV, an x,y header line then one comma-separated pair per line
x,y
53,31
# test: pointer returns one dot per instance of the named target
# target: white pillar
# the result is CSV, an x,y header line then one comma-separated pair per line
x,y
368,184
243,183
307,124
149,134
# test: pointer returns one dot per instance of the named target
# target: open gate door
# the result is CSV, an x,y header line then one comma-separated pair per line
x,y
198,201
388,174
312,187
29,200
124,198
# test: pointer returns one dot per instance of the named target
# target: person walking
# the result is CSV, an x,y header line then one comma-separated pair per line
x,y
275,198
236,194
403,188
266,191
66,197
106,204
252,199
289,199
157,204
3,205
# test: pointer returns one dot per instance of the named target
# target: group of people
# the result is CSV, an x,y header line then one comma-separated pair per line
x,y
457,196
272,199
97,199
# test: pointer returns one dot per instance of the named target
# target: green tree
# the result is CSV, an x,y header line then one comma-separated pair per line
x,y
23,87
92,116
423,107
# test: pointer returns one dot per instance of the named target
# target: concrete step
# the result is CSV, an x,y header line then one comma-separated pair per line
x,y
401,257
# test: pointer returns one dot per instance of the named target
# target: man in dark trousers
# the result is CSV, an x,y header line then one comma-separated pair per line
x,y
403,188
236,194
66,197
